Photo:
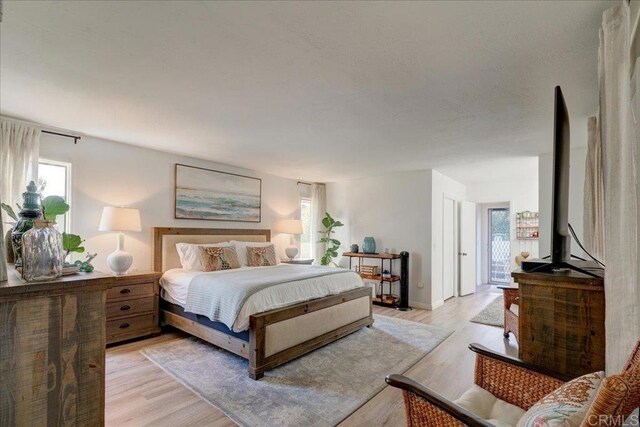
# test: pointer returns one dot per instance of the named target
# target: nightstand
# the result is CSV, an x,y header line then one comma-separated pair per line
x,y
297,261
132,306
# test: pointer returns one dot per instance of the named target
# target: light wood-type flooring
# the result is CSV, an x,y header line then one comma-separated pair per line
x,y
139,393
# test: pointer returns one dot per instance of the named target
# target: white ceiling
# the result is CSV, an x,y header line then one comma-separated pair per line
x,y
320,91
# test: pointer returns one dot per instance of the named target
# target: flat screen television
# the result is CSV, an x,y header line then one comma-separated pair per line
x,y
560,259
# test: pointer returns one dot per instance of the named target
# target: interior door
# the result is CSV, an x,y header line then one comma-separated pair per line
x,y
467,248
449,250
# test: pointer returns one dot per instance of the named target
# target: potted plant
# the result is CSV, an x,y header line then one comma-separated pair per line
x,y
52,206
332,244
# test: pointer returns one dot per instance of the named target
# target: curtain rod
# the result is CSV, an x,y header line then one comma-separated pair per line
x,y
304,183
43,128
74,137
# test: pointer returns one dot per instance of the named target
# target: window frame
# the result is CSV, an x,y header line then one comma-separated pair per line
x,y
68,185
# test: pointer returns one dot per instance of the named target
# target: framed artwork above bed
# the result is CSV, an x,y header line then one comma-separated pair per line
x,y
216,196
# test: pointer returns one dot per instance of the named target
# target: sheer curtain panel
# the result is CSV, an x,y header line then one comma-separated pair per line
x,y
319,207
19,150
619,145
594,192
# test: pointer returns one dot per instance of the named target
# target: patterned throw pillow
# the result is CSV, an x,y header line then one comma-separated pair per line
x,y
261,256
216,258
566,406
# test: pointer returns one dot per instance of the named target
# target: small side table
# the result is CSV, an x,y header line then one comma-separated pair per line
x,y
132,306
511,298
298,261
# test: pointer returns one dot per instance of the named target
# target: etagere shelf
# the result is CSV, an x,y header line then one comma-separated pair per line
x,y
399,301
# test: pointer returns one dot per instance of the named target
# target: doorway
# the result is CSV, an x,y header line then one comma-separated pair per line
x,y
499,245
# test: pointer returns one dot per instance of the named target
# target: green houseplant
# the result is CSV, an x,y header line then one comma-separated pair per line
x,y
52,206
333,245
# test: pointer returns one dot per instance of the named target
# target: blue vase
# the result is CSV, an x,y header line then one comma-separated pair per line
x,y
369,245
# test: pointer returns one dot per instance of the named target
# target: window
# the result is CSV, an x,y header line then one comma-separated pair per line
x,y
54,179
305,239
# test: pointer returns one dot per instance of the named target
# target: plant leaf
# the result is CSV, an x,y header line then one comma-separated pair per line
x,y
53,206
335,242
9,210
338,224
326,222
71,242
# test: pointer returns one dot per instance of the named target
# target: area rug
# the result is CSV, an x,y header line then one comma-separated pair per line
x,y
492,315
319,389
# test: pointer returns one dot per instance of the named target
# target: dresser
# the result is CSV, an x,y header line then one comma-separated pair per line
x,y
52,350
132,306
561,322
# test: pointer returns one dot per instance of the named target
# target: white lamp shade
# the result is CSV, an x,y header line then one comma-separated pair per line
x,y
120,219
289,226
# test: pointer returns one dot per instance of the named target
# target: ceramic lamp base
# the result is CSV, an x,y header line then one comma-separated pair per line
x,y
291,252
119,261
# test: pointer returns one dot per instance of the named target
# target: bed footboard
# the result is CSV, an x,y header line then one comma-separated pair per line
x,y
281,335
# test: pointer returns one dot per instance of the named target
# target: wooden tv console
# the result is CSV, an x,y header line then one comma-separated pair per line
x,y
561,322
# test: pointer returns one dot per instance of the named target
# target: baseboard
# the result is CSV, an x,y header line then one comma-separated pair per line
x,y
423,306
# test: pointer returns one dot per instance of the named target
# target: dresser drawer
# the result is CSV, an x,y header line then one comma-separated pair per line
x,y
130,307
130,291
130,325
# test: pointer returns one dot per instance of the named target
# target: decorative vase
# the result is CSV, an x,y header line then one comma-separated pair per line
x,y
369,245
355,248
31,210
9,248
42,253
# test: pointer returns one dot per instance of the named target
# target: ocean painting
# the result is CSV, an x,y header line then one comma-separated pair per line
x,y
219,196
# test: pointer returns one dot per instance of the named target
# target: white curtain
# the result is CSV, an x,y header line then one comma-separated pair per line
x,y
619,145
593,222
318,207
19,150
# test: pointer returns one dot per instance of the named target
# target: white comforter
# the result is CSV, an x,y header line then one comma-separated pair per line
x,y
175,286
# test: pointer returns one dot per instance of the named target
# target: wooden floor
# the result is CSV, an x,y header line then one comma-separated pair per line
x,y
139,393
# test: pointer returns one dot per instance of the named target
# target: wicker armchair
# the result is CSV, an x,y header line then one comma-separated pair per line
x,y
518,383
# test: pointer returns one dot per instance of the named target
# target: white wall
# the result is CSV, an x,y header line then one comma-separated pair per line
x,y
402,211
394,209
520,194
442,186
107,173
576,195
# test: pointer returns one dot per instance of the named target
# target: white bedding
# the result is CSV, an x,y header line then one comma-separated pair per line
x,y
175,286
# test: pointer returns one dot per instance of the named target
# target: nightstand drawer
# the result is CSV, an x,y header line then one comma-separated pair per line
x,y
130,307
130,291
130,325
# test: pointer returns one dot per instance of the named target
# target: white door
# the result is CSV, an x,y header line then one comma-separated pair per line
x,y
467,248
449,248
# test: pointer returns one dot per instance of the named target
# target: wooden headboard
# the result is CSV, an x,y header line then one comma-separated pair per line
x,y
165,255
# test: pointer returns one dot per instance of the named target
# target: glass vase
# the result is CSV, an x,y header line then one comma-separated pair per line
x,y
369,245
42,253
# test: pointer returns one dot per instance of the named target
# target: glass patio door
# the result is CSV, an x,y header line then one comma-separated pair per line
x,y
499,246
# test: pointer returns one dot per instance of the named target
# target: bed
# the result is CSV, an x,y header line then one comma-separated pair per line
x,y
267,338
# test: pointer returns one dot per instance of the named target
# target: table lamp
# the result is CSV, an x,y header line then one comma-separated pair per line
x,y
120,219
293,227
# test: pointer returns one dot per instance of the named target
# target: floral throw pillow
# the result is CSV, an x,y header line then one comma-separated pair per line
x,y
261,256
565,407
216,258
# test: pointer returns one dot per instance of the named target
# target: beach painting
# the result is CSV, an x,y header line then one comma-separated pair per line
x,y
217,196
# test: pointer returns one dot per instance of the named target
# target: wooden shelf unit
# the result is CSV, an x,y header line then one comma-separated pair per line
x,y
384,299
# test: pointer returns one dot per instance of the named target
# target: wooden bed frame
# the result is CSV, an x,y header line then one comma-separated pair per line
x,y
266,325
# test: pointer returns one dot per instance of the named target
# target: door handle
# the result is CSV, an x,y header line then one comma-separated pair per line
x,y
462,253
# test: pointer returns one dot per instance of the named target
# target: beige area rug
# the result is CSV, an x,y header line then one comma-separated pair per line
x,y
319,389
492,315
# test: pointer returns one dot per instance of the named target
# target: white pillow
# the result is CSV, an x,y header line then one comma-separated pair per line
x,y
241,250
190,257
